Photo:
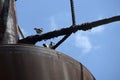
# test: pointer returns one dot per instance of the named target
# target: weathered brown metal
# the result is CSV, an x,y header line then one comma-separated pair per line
x,y
26,62
8,22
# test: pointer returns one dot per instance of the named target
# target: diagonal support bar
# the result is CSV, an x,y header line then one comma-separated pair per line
x,y
73,24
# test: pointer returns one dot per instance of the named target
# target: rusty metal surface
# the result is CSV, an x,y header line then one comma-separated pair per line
x,y
87,75
23,62
8,22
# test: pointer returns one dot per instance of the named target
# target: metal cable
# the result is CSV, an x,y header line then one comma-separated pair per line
x,y
73,24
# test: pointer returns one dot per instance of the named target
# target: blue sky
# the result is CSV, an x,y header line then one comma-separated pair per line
x,y
98,49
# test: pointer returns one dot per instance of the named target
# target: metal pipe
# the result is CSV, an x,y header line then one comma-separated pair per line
x,y
21,33
72,12
8,22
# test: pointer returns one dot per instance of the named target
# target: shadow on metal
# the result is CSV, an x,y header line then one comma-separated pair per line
x,y
27,62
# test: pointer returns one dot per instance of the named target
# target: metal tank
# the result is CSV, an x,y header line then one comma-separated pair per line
x,y
27,62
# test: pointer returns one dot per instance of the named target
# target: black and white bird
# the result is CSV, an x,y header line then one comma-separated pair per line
x,y
38,30
51,45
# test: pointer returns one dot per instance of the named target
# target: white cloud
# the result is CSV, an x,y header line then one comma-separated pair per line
x,y
53,23
59,20
82,41
98,29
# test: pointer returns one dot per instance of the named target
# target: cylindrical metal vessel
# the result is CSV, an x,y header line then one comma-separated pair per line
x,y
8,22
26,62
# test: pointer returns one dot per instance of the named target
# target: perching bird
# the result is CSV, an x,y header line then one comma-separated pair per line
x,y
45,45
51,44
38,30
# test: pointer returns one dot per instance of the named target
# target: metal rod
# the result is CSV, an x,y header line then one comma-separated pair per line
x,y
73,12
20,31
65,31
73,24
61,41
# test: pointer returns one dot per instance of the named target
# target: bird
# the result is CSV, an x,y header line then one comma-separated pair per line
x,y
38,30
45,45
51,45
